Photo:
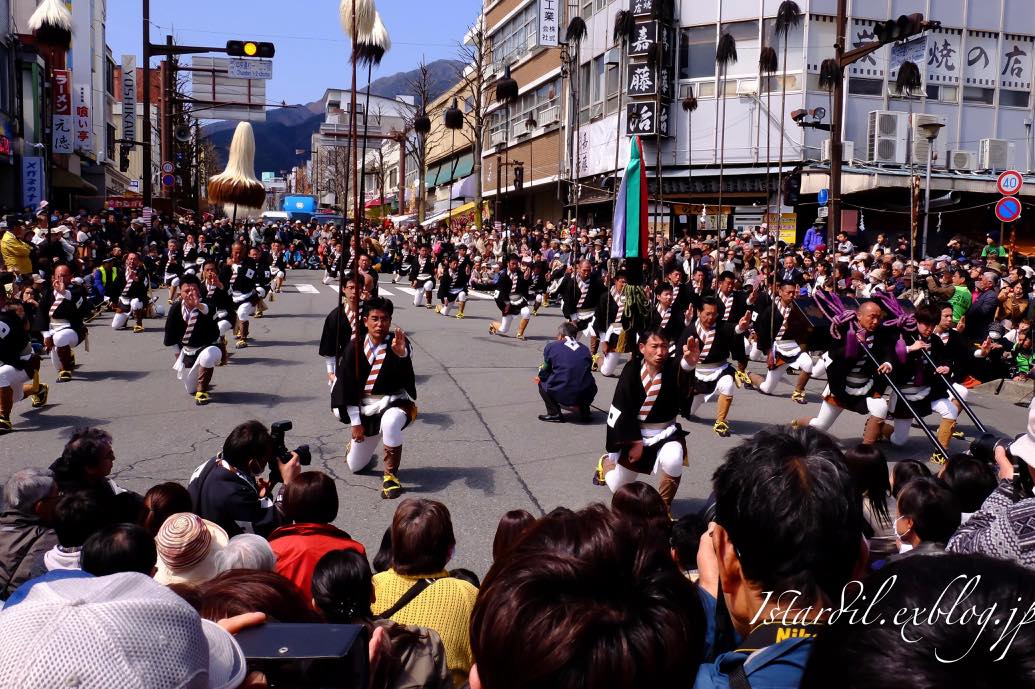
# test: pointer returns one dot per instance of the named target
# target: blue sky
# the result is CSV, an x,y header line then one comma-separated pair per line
x,y
311,47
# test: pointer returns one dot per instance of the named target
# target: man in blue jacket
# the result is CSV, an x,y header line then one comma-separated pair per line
x,y
565,377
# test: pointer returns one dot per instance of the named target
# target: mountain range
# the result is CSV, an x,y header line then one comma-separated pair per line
x,y
289,129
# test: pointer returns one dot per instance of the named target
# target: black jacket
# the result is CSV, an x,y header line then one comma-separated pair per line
x,y
231,500
205,332
570,294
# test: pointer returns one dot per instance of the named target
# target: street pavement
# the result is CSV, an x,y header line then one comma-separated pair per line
x,y
476,445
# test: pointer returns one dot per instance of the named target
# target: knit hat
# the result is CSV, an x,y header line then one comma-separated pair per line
x,y
187,546
123,630
1024,447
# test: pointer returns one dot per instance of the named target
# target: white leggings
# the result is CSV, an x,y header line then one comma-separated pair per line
x,y
670,460
225,327
328,280
506,321
245,311
174,281
120,319
392,422
279,275
422,292
943,408
828,413
11,377
461,298
65,337
775,376
723,387
610,363
820,367
207,358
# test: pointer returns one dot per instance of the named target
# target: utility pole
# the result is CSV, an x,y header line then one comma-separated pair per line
x,y
147,104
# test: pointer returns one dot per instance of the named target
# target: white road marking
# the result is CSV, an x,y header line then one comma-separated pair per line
x,y
307,289
407,290
383,292
480,295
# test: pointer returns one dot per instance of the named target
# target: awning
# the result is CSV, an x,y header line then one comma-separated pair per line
x,y
464,189
449,171
63,179
854,180
457,210
432,177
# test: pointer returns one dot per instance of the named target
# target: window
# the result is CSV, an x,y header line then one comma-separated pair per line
x,y
613,85
945,94
862,86
697,52
109,77
748,47
795,38
109,136
976,94
1013,99
516,37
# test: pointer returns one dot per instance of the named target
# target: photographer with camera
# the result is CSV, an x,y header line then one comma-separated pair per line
x,y
229,489
1001,527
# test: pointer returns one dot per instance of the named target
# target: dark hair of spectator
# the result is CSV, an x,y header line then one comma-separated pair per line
x,y
642,502
876,656
467,575
312,498
250,440
84,450
869,472
970,480
786,500
628,618
162,501
422,537
119,548
932,507
78,515
509,531
188,592
685,539
382,561
904,472
238,591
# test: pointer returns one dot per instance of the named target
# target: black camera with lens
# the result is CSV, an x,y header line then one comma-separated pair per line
x,y
983,447
282,454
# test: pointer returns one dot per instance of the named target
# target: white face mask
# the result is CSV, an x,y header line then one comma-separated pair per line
x,y
902,547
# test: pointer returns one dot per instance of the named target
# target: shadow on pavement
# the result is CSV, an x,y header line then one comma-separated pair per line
x,y
41,420
263,360
436,479
126,376
249,397
439,421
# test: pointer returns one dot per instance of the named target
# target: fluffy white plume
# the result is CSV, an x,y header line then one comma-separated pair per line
x,y
52,24
379,35
365,13
237,184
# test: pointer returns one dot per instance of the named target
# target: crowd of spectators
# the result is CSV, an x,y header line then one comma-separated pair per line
x,y
104,587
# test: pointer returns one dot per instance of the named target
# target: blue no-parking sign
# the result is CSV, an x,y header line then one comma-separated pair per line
x,y
1008,209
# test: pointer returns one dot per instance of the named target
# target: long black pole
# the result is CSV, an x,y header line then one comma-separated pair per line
x,y
955,393
147,104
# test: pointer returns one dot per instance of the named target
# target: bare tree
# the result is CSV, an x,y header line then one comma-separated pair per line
x,y
417,143
332,173
474,53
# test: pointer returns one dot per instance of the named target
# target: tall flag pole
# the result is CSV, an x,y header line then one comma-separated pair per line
x,y
629,235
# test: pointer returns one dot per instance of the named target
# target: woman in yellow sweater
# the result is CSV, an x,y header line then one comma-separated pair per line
x,y
418,591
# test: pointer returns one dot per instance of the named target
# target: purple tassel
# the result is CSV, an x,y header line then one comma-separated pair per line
x,y
900,350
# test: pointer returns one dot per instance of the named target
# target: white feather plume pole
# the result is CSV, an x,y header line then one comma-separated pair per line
x,y
237,184
365,13
370,49
52,24
242,212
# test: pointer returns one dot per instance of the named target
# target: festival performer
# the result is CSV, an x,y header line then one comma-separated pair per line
x,y
60,319
511,288
780,344
923,387
422,276
263,279
580,293
133,299
539,286
220,305
172,267
278,267
192,329
376,394
338,328
611,311
452,286
405,262
239,275
733,304
19,366
666,316
714,374
854,381
643,435
332,264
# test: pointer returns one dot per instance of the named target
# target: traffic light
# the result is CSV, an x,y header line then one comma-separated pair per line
x,y
124,158
791,189
250,49
519,177
906,26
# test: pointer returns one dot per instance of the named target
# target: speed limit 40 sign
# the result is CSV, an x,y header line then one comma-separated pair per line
x,y
1009,183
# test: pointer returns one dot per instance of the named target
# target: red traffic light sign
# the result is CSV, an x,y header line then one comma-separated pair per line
x,y
1008,209
1009,183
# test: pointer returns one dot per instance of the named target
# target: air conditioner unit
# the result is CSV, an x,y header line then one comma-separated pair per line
x,y
747,87
490,69
550,115
597,111
962,161
886,135
995,154
497,138
520,128
920,144
847,151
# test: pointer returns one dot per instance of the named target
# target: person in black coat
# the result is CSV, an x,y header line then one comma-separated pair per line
x,y
60,319
18,365
452,286
565,377
338,328
221,306
375,392
191,328
580,294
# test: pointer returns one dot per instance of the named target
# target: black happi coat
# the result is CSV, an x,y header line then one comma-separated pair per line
x,y
570,294
396,375
70,310
334,345
205,333
768,324
623,423
449,282
423,266
218,301
843,367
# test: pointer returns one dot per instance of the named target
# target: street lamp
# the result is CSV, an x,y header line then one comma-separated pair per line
x,y
930,131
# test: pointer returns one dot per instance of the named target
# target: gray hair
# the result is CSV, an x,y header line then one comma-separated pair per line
x,y
991,276
898,265
246,551
26,488
567,329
